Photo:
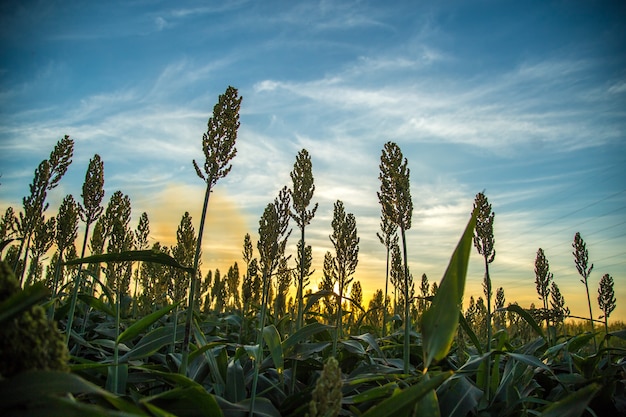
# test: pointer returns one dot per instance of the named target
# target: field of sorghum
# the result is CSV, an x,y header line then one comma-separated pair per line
x,y
135,331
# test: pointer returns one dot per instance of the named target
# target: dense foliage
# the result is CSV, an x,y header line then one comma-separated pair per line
x,y
138,331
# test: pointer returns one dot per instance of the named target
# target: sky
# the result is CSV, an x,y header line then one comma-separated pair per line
x,y
524,100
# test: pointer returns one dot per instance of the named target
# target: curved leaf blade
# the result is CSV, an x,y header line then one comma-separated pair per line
x,y
440,321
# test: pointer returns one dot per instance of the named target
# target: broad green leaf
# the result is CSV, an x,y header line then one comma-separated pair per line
x,y
235,382
440,321
186,401
405,401
116,378
428,405
528,318
216,375
574,404
371,394
353,346
262,407
303,334
22,300
458,398
468,330
371,341
528,360
96,304
152,341
313,298
579,341
131,256
143,323
210,345
272,339
36,386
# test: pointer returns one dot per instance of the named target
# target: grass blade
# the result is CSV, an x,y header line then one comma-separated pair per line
x,y
404,402
142,324
574,404
272,339
440,321
131,256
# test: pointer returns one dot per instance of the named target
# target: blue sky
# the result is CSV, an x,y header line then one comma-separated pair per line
x,y
525,100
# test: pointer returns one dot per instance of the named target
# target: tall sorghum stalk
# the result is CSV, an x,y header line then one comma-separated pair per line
x,y
395,199
346,244
388,239
543,277
67,229
90,212
581,260
273,237
606,302
301,194
47,176
141,243
218,146
484,243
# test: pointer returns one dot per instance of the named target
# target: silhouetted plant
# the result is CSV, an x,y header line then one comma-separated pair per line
x,y
484,243
119,238
47,176
8,228
43,238
346,244
90,211
218,146
395,198
273,235
141,243
581,260
606,299
388,239
67,230
557,302
543,277
499,317
301,194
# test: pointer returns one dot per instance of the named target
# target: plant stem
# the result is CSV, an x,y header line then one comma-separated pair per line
x,y
70,316
384,333
595,345
407,307
192,290
259,342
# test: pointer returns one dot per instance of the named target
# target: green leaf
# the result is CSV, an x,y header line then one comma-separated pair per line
x,y
574,404
428,405
186,401
37,387
468,330
152,341
304,333
235,382
131,256
313,298
528,318
272,339
371,341
262,407
143,323
404,402
440,321
371,394
96,304
22,300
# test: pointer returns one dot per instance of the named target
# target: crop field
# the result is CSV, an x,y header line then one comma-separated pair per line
x,y
109,326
